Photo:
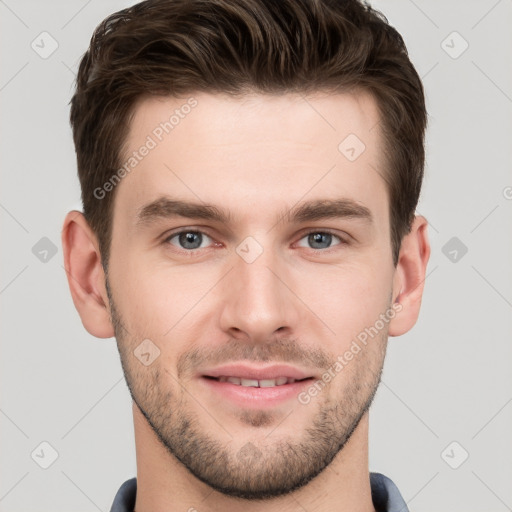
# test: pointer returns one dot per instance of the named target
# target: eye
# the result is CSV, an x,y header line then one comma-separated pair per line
x,y
188,239
321,239
191,240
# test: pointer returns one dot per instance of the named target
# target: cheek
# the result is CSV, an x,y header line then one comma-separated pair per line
x,y
346,298
158,300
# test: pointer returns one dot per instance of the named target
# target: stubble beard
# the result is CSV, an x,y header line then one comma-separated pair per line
x,y
256,471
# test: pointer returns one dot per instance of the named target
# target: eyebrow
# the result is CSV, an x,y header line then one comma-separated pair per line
x,y
320,209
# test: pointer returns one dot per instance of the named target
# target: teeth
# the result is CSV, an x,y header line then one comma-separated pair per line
x,y
249,382
264,383
267,383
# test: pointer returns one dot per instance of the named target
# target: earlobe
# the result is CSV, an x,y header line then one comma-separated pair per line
x,y
82,262
410,277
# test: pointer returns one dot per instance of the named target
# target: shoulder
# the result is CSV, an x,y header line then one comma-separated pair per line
x,y
385,494
124,500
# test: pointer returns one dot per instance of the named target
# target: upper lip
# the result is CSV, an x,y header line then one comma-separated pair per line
x,y
246,371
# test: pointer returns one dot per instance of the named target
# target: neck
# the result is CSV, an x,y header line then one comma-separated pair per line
x,y
163,483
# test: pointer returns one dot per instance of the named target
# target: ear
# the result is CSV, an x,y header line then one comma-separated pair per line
x,y
85,274
410,277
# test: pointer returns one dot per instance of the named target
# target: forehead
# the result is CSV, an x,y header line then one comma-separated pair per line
x,y
216,119
262,152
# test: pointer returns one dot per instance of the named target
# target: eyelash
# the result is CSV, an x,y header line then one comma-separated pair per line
x,y
313,231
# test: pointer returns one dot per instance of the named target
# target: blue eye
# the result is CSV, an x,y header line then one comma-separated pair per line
x,y
189,240
319,239
192,240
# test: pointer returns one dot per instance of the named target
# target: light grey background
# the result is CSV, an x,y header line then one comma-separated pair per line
x,y
447,380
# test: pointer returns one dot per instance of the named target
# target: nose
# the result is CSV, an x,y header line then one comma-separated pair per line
x,y
258,301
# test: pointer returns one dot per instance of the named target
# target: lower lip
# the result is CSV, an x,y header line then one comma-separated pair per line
x,y
250,397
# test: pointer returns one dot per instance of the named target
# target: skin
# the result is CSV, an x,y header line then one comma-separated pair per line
x,y
257,156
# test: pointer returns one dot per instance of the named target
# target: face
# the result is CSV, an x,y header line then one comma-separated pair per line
x,y
252,296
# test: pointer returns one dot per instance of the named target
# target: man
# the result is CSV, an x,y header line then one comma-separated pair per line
x,y
250,171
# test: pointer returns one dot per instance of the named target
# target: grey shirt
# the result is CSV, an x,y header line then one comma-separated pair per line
x,y
385,495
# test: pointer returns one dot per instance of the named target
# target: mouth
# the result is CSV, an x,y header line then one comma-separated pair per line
x,y
251,387
257,383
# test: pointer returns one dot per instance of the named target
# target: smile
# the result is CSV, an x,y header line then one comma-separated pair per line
x,y
255,383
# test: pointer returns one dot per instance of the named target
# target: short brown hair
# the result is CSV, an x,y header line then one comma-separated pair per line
x,y
176,47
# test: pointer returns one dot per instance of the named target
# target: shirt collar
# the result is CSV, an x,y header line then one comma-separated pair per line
x,y
385,495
